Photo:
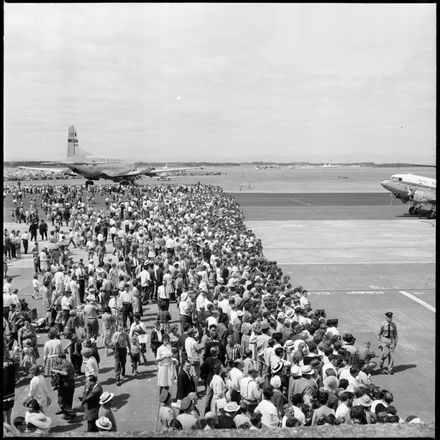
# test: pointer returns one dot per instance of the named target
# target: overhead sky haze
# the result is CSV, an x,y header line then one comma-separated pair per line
x,y
221,82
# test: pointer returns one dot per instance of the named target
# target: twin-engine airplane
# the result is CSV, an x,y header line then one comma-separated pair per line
x,y
416,190
94,168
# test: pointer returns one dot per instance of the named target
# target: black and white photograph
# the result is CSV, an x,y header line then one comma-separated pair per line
x,y
219,216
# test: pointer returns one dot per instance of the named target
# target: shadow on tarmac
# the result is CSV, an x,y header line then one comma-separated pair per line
x,y
119,400
400,368
65,428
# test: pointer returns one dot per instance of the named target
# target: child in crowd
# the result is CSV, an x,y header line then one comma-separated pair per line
x,y
28,356
135,352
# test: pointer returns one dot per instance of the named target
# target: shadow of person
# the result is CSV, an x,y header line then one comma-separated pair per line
x,y
400,368
119,400
67,427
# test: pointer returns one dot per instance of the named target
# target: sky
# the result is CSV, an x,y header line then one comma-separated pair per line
x,y
221,82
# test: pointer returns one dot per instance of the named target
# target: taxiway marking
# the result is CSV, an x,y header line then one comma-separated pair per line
x,y
303,203
418,300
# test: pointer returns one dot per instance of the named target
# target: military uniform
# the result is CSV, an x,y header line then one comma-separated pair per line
x,y
387,338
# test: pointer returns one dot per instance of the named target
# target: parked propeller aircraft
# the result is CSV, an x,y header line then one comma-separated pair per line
x,y
419,191
93,168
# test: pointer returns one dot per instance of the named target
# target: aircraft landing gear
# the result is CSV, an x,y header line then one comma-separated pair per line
x,y
88,183
412,210
431,214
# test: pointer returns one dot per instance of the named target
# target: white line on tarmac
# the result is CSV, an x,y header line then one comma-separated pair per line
x,y
418,300
299,201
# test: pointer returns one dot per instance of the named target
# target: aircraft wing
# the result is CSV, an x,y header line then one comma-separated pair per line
x,y
157,171
49,170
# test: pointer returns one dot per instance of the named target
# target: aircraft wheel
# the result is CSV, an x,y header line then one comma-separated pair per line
x,y
431,214
412,210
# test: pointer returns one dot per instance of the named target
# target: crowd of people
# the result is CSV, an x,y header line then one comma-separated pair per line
x,y
19,175
248,351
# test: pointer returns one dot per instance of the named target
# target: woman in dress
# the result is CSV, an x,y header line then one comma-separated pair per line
x,y
108,327
52,348
165,364
28,332
38,389
218,387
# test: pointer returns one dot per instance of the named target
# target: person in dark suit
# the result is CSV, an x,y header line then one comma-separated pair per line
x,y
185,381
91,403
156,337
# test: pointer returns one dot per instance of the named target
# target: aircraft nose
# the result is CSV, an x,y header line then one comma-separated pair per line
x,y
386,184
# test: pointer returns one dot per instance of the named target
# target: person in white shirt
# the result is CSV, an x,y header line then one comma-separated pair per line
x,y
193,350
25,240
7,287
249,389
144,277
236,375
224,303
268,410
201,301
343,410
295,410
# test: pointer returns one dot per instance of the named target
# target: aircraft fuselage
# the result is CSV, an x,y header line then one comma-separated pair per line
x,y
97,166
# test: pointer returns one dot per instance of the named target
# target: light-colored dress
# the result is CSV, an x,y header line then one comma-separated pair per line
x,y
165,366
38,390
219,389
52,348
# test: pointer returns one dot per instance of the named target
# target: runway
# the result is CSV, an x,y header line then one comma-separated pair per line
x,y
322,206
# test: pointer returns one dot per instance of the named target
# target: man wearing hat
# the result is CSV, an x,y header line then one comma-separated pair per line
x,y
186,418
387,338
299,384
226,420
166,412
105,409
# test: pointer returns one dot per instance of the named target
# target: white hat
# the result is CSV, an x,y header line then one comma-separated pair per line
x,y
295,370
106,397
232,407
39,420
104,423
307,369
275,382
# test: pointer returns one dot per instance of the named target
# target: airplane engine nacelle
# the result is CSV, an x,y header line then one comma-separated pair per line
x,y
418,196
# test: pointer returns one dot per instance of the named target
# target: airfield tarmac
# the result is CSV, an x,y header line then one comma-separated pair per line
x,y
374,259
359,260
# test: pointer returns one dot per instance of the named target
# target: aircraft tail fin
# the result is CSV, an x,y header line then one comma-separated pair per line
x,y
72,143
73,150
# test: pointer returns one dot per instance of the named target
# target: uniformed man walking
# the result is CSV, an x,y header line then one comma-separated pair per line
x,y
387,338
